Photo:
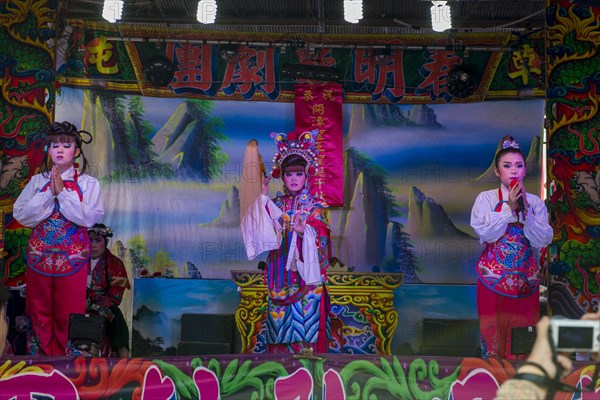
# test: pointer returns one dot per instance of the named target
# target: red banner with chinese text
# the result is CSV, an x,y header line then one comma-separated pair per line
x,y
319,106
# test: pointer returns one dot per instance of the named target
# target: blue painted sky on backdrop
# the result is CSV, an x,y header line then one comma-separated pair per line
x,y
469,133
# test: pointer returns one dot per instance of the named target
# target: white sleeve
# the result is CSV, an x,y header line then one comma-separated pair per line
x,y
85,212
309,269
536,226
487,223
261,229
33,206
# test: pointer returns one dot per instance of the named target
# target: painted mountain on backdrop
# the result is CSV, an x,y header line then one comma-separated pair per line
x,y
188,144
533,161
390,115
426,218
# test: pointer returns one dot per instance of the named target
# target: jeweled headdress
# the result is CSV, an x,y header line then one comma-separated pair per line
x,y
102,230
302,144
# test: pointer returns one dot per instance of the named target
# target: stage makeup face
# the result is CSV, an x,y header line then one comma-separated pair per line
x,y
294,181
63,153
511,166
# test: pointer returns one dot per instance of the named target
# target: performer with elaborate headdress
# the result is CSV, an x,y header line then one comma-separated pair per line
x,y
294,228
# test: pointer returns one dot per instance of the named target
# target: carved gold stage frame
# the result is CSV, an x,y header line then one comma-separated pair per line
x,y
368,298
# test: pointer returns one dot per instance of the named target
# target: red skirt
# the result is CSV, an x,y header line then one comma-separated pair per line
x,y
498,315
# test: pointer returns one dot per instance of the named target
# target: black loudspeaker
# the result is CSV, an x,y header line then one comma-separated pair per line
x,y
211,328
159,71
207,334
462,81
450,337
522,339
86,332
87,327
202,348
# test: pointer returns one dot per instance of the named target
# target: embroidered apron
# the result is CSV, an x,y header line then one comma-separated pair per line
x,y
57,246
508,266
58,254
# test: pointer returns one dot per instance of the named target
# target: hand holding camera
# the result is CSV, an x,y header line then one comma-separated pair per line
x,y
547,363
571,335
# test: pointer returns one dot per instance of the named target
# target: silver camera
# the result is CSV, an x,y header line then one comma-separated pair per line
x,y
571,335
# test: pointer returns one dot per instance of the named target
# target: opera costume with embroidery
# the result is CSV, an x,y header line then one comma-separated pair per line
x,y
107,282
508,269
58,205
294,228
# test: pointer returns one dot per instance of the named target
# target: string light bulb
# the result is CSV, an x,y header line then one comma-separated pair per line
x,y
112,10
207,11
441,19
353,11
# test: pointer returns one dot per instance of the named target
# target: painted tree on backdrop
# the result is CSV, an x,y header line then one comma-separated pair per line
x,y
132,138
190,141
141,132
191,138
207,158
403,258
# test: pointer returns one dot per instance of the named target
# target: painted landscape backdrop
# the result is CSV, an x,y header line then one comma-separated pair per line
x,y
170,172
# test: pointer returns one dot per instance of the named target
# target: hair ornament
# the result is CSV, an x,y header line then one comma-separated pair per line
x,y
89,136
67,128
302,144
510,144
102,230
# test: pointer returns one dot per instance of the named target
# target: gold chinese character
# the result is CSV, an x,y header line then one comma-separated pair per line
x,y
318,109
101,55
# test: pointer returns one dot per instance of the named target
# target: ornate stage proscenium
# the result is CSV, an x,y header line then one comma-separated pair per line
x,y
363,319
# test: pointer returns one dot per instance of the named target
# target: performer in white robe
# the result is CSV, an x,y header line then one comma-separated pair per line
x,y
294,228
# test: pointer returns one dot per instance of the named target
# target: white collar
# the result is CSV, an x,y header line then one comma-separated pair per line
x,y
68,174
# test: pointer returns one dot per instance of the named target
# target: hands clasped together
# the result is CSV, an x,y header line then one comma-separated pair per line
x,y
56,181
